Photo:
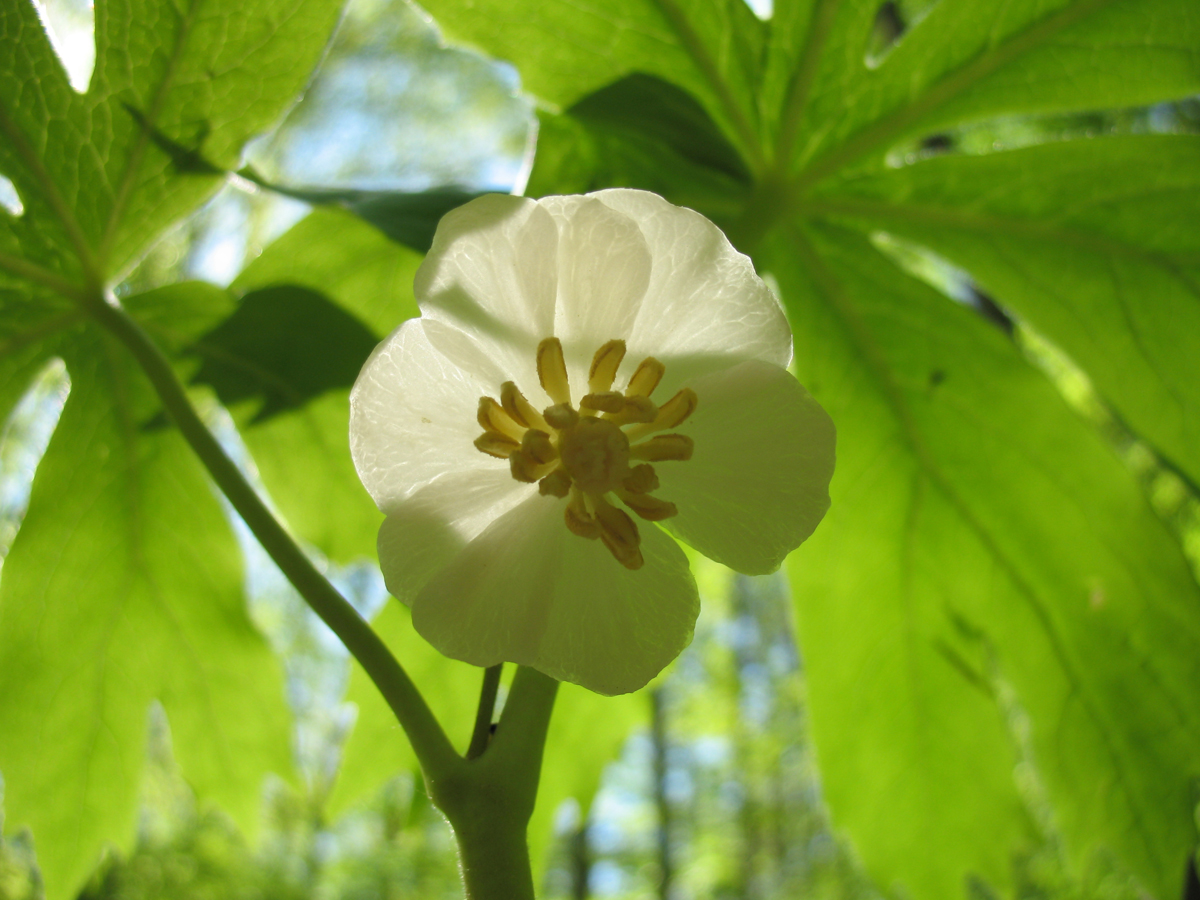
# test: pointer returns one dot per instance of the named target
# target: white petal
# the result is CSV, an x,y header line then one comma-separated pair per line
x,y
530,592
413,417
603,271
492,273
427,530
758,481
705,308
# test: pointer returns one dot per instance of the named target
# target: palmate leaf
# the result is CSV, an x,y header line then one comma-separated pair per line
x,y
990,592
123,584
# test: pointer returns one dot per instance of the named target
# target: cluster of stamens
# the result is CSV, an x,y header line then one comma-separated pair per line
x,y
585,454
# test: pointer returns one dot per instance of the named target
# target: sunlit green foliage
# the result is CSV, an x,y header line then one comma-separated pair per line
x,y
997,621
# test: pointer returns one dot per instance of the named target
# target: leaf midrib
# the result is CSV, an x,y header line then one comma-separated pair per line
x,y
145,126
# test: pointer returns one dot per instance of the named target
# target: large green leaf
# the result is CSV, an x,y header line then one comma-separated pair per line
x,y
1094,242
94,170
997,544
124,586
302,453
990,592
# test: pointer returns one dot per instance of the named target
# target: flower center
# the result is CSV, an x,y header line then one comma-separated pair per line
x,y
583,454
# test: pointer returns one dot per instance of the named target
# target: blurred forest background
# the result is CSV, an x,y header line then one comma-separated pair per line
x,y
714,797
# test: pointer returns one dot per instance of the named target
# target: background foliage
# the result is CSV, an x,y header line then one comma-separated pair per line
x,y
982,220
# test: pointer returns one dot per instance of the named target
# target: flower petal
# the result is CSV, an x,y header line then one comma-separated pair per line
x,y
704,308
492,273
528,591
758,480
603,271
427,530
413,417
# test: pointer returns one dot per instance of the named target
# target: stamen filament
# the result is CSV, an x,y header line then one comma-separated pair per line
x,y
552,371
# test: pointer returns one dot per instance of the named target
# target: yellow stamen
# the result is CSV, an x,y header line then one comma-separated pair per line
x,y
539,446
646,378
649,508
525,468
561,416
671,414
619,533
492,417
604,367
607,401
663,447
636,409
642,479
556,484
584,453
579,519
552,370
500,446
520,409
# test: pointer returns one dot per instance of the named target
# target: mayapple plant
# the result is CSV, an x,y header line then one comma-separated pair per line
x,y
998,612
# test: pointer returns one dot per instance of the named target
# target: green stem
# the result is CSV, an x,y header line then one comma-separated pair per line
x,y
487,707
429,742
490,799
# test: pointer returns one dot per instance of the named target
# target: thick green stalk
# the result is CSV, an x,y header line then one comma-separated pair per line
x,y
429,742
489,799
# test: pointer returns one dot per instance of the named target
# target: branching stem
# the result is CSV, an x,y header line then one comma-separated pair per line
x,y
429,742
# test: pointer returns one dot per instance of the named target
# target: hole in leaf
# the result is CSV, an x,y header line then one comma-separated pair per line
x,y
893,21
71,27
9,198
762,8
23,440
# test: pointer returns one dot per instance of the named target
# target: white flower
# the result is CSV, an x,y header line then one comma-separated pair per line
x,y
577,357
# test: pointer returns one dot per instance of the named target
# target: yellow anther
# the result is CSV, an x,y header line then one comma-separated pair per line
x,y
561,416
556,484
583,453
642,479
525,468
579,518
649,508
552,370
619,533
520,409
671,414
663,447
539,446
636,409
499,445
608,401
646,378
604,367
492,417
